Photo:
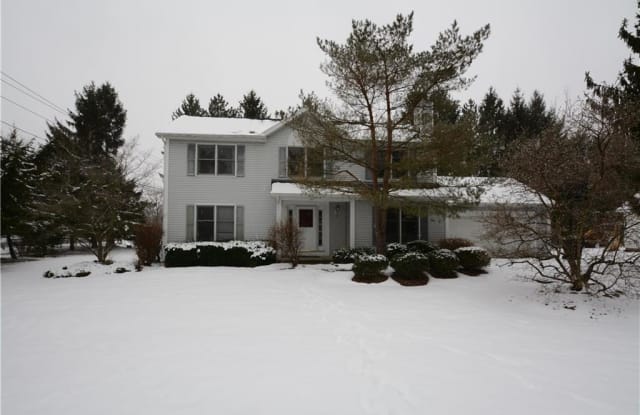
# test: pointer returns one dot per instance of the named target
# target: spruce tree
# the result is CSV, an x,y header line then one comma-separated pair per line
x,y
99,119
219,107
253,107
190,106
17,173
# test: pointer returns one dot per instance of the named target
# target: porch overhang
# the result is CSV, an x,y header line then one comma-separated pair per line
x,y
294,191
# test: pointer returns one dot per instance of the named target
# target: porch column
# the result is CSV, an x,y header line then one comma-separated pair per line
x,y
278,210
352,223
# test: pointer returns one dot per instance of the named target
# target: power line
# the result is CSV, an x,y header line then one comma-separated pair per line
x,y
23,130
26,109
32,96
31,90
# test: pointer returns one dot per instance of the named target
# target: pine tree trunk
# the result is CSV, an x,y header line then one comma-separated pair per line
x,y
72,243
12,250
381,230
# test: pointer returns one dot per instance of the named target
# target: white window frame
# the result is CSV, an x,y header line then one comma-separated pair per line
x,y
215,166
215,219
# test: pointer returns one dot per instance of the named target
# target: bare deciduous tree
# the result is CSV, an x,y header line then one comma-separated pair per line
x,y
581,173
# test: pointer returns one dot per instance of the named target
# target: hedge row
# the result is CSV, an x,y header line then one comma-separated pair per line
x,y
213,254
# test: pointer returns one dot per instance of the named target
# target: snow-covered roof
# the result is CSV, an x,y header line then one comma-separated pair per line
x,y
486,191
214,126
293,189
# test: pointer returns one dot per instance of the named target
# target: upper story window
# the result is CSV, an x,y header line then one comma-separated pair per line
x,y
397,157
300,161
215,159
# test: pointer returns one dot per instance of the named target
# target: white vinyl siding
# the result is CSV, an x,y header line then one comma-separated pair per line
x,y
259,166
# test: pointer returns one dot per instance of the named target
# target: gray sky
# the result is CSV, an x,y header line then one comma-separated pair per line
x,y
155,52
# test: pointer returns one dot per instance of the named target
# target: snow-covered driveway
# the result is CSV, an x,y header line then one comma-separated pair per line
x,y
276,341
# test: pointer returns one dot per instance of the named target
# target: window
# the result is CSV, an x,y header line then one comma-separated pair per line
x,y
222,160
204,223
218,223
300,161
295,161
224,223
406,227
226,160
206,159
397,171
305,218
319,228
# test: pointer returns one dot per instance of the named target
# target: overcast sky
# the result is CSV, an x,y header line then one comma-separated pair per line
x,y
155,52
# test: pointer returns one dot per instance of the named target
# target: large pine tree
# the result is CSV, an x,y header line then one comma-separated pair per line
x,y
190,106
253,107
17,172
219,107
99,119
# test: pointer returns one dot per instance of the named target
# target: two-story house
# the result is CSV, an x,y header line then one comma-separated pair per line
x,y
227,179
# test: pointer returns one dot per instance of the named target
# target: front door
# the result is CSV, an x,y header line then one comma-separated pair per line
x,y
307,222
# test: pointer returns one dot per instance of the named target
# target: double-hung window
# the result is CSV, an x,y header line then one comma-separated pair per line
x,y
215,223
301,162
215,159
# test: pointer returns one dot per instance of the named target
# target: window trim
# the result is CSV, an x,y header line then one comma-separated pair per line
x,y
215,166
215,219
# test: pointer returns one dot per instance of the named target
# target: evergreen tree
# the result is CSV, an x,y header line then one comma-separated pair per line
x,y
630,76
99,119
190,106
490,142
383,87
83,192
219,107
515,118
253,107
538,118
17,172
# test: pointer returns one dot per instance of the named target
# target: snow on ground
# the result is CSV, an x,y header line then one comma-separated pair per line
x,y
272,340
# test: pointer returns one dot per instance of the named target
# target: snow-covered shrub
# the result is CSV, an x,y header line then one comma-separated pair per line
x,y
368,268
454,243
349,255
424,247
231,254
473,258
410,268
443,263
394,249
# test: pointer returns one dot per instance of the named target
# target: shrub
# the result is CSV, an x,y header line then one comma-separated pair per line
x,y
349,255
454,243
473,258
423,247
369,268
443,263
211,255
394,249
148,240
410,268
232,254
286,238
181,255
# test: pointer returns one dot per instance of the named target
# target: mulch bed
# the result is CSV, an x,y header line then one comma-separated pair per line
x,y
473,273
370,280
410,282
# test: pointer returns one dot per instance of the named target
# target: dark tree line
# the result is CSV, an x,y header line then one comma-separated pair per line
x,y
251,106
75,186
474,138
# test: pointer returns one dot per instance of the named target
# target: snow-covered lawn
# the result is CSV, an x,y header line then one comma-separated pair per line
x,y
272,340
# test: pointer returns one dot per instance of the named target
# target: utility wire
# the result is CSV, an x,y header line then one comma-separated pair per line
x,y
26,109
32,91
20,129
32,96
